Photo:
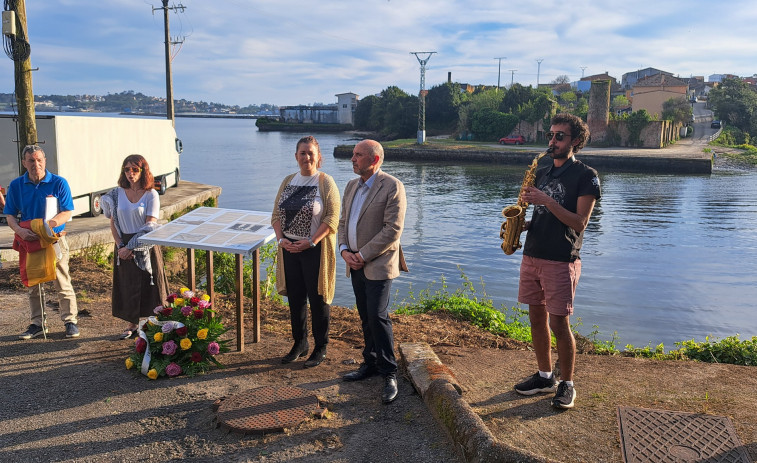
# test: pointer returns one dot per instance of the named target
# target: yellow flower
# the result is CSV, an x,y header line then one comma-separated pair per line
x,y
183,290
158,337
179,302
205,297
185,344
129,364
152,374
202,334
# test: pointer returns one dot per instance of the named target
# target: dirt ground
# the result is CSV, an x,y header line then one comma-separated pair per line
x,y
73,400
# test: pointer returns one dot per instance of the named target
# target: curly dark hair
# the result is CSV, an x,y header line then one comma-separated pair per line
x,y
146,180
578,128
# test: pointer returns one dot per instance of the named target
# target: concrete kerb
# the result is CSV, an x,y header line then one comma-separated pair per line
x,y
443,396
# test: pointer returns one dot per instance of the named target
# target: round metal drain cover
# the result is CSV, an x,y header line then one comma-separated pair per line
x,y
266,409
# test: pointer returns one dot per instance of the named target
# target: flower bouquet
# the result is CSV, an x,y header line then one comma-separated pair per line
x,y
181,338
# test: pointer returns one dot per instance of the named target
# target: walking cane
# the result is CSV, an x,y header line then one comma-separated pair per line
x,y
42,305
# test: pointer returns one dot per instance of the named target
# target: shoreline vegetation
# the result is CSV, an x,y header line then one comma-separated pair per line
x,y
470,306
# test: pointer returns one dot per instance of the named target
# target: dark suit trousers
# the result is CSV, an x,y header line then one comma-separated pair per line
x,y
372,300
301,271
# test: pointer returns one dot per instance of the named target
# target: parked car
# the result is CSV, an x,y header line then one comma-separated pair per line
x,y
512,140
716,124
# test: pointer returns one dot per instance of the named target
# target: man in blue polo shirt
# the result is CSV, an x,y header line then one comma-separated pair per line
x,y
27,195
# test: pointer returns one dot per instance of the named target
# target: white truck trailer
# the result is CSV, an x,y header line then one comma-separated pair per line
x,y
88,151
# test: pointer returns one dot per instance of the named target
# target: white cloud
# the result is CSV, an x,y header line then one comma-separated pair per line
x,y
296,51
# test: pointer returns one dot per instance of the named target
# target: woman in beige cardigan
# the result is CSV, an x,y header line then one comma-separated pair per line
x,y
305,218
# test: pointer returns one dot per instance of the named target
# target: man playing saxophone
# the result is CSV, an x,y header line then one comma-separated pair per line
x,y
563,197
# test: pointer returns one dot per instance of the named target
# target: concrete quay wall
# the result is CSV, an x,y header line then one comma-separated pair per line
x,y
662,161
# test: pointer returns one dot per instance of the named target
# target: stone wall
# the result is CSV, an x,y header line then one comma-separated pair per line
x,y
657,134
599,110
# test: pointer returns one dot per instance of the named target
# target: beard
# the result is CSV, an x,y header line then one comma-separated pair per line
x,y
560,154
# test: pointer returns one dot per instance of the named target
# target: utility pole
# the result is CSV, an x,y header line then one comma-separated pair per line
x,y
538,70
583,68
168,43
422,95
499,69
512,76
18,49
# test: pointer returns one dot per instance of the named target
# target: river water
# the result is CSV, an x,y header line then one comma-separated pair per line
x,y
665,258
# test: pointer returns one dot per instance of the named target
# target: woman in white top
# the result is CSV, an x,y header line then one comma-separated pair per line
x,y
139,280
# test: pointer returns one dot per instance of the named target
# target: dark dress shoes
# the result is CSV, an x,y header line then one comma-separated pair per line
x,y
315,359
390,389
361,373
300,349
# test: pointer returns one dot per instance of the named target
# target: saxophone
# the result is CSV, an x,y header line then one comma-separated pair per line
x,y
515,215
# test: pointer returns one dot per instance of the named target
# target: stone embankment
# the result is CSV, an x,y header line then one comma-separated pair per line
x,y
678,159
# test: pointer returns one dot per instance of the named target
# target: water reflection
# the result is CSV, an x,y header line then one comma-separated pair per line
x,y
666,258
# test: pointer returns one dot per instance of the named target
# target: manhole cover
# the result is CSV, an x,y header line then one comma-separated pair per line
x,y
266,409
676,437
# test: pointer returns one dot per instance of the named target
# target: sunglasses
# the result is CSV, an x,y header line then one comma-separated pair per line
x,y
133,170
557,135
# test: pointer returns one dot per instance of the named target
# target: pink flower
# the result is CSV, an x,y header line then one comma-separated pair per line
x,y
171,297
157,310
188,294
167,327
199,313
140,345
169,348
173,369
196,357
203,304
182,331
186,311
213,348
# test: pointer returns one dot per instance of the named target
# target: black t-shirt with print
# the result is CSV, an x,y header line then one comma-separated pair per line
x,y
547,237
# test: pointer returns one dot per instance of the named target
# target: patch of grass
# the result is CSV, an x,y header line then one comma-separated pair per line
x,y
465,305
100,254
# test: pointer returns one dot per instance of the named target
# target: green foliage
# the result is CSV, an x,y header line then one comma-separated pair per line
x,y
735,102
677,110
636,122
442,105
728,350
224,272
618,103
603,347
465,305
491,125
100,254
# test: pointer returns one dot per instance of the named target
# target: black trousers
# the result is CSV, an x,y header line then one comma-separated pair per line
x,y
301,271
372,300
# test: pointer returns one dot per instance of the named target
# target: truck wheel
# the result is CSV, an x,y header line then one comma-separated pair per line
x,y
95,205
163,186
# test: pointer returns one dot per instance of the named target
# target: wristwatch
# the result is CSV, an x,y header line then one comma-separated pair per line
x,y
312,245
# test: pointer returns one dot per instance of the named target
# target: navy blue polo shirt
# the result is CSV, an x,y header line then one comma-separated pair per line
x,y
29,199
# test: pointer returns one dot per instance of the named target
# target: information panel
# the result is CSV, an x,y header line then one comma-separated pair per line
x,y
216,229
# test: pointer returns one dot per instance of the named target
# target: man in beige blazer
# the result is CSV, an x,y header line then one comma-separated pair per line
x,y
370,226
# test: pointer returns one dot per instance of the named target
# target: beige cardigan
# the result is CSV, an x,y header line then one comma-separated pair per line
x,y
327,275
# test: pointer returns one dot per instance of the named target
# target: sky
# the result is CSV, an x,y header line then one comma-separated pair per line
x,y
289,52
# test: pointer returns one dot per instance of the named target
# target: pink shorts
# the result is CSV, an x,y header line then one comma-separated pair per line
x,y
549,283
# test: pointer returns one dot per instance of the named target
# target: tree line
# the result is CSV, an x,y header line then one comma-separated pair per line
x,y
487,113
